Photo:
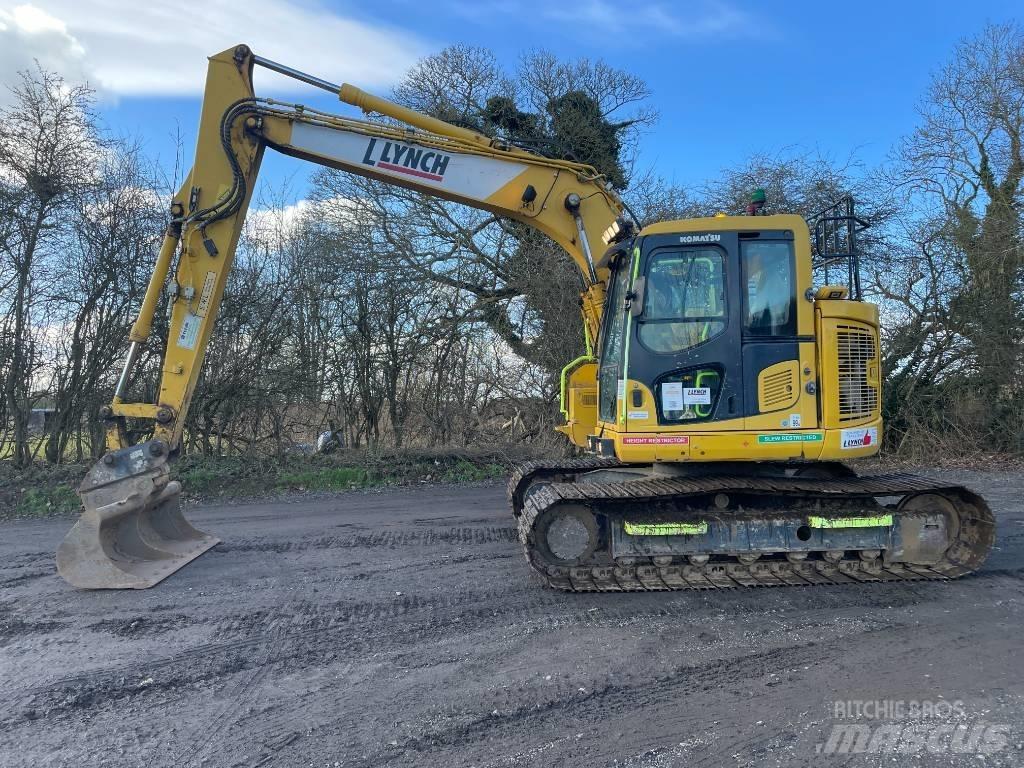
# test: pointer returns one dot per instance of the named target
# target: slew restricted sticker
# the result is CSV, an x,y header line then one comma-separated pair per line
x,y
682,440
792,437
858,438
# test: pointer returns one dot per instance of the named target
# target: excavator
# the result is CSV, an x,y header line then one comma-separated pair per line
x,y
719,399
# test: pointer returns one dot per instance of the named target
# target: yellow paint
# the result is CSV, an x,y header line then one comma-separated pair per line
x,y
580,401
710,443
135,410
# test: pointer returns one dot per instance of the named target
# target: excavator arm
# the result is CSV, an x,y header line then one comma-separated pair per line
x,y
132,533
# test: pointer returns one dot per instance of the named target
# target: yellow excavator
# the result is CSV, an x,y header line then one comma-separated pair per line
x,y
718,399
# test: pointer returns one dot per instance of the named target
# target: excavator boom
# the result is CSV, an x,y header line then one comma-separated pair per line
x,y
132,533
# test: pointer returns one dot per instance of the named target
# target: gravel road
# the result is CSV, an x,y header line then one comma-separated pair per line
x,y
402,628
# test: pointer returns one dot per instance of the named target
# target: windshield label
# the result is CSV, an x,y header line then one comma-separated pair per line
x,y
672,396
697,395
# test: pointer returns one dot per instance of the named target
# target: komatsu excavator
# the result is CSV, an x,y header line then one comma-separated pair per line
x,y
719,398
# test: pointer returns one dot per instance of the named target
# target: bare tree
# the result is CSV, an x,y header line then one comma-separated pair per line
x,y
111,240
48,149
965,165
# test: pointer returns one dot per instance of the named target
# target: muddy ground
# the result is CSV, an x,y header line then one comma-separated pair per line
x,y
401,628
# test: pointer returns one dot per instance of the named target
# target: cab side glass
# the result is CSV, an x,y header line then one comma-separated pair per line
x,y
770,303
613,344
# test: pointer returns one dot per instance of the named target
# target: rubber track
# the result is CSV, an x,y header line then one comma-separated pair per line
x,y
971,549
531,472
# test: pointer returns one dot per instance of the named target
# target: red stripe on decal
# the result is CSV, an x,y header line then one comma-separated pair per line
x,y
411,171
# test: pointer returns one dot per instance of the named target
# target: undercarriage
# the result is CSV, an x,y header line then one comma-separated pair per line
x,y
596,524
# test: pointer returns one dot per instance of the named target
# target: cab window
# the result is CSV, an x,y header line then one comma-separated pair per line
x,y
684,299
768,276
613,343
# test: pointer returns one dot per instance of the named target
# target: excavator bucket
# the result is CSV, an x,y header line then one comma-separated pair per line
x,y
132,534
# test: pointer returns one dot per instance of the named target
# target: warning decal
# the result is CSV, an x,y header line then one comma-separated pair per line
x,y
680,440
858,438
207,294
790,437
189,331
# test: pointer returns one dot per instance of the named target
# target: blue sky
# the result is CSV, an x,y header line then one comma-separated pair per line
x,y
729,78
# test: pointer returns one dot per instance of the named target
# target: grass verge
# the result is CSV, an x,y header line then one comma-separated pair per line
x,y
43,490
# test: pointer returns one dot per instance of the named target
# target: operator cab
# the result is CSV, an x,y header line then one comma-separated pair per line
x,y
697,310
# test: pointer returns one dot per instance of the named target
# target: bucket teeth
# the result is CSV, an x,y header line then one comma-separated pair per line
x,y
132,533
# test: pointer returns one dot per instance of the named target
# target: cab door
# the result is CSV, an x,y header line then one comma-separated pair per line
x,y
685,337
776,334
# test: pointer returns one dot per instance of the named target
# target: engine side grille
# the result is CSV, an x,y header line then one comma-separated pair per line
x,y
858,398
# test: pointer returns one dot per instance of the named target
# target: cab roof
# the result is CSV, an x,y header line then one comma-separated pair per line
x,y
728,223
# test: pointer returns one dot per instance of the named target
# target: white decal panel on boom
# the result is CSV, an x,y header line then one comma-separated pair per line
x,y
461,174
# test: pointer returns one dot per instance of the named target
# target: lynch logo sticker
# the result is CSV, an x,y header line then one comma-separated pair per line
x,y
858,438
697,395
467,176
405,158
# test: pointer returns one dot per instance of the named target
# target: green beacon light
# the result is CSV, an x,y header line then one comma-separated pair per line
x,y
757,199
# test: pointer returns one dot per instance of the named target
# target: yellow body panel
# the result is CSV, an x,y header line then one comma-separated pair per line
x,y
673,445
579,400
850,363
201,276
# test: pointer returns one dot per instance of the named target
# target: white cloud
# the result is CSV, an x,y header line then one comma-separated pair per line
x,y
28,33
708,19
154,48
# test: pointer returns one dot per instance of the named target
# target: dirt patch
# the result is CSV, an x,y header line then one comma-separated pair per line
x,y
403,628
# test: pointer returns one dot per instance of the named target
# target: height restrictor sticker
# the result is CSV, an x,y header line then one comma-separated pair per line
x,y
679,440
858,438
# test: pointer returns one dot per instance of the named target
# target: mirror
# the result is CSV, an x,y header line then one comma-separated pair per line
x,y
636,302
